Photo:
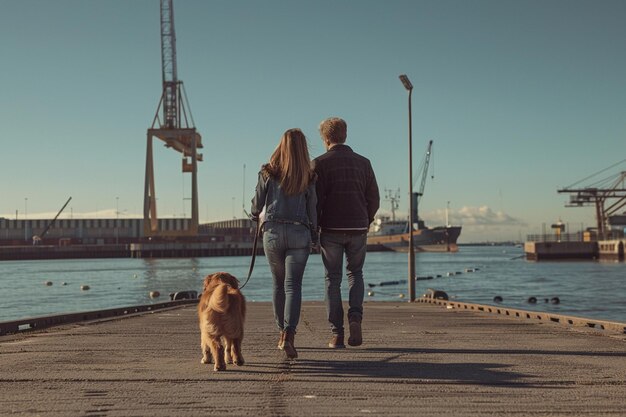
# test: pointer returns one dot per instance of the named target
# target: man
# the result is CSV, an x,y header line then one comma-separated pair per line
x,y
348,199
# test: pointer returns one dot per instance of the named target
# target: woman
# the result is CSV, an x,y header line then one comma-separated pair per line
x,y
286,189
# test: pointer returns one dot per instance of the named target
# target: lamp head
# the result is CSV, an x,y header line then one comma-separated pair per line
x,y
405,81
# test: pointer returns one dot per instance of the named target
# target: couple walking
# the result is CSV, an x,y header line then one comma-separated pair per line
x,y
333,198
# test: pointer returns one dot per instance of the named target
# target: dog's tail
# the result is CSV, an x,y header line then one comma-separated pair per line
x,y
220,301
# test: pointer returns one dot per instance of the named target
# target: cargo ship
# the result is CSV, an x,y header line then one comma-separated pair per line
x,y
392,235
388,234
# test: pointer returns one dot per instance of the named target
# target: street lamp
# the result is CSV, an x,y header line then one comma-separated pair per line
x,y
117,217
407,84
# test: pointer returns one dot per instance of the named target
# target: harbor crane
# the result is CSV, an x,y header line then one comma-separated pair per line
x,y
174,125
417,196
607,195
424,167
38,238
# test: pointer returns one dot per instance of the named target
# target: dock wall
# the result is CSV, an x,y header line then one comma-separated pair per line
x,y
603,250
537,251
538,316
188,250
611,250
12,253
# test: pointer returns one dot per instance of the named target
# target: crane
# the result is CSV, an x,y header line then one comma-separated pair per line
x,y
599,194
174,126
424,167
39,238
168,66
417,196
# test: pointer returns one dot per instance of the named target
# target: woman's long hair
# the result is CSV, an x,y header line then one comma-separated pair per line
x,y
290,162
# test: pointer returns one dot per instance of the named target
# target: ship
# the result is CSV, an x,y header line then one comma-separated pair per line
x,y
387,234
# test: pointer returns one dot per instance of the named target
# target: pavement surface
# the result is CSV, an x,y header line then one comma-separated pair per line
x,y
417,359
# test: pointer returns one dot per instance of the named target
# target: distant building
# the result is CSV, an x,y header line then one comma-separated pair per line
x,y
111,231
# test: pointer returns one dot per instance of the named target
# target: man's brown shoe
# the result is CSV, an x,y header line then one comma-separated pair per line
x,y
356,336
336,342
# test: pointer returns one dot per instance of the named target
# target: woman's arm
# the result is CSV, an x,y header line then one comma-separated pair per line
x,y
258,201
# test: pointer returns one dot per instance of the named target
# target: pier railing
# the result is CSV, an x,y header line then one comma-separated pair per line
x,y
563,237
576,237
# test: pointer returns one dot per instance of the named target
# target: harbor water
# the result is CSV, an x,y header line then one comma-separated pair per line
x,y
475,274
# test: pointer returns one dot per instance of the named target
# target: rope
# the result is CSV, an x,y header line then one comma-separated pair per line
x,y
254,249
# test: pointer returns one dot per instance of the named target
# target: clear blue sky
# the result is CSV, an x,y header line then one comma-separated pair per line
x,y
520,98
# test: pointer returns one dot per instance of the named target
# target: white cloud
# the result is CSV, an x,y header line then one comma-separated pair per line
x,y
480,224
485,216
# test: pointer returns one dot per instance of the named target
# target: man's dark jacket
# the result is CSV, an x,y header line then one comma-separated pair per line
x,y
347,192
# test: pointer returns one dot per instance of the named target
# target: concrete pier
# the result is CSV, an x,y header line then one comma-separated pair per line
x,y
417,359
539,251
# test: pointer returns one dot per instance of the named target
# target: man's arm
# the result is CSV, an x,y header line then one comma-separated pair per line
x,y
372,196
319,190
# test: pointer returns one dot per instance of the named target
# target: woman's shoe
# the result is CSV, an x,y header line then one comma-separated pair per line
x,y
289,346
337,342
281,340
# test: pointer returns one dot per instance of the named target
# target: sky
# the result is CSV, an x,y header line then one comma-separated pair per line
x,y
520,98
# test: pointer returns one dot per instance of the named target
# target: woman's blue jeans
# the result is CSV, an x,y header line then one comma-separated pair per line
x,y
334,246
287,247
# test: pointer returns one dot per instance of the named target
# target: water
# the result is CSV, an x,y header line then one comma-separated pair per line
x,y
586,289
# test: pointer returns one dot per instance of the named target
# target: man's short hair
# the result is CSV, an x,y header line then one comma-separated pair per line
x,y
334,130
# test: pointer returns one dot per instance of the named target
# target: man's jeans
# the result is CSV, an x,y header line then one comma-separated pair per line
x,y
333,246
287,247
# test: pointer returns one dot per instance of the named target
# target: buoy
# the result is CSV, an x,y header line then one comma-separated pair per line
x,y
401,295
371,293
155,294
555,300
497,299
64,283
48,283
135,276
436,294
438,276
450,274
532,300
84,287
184,295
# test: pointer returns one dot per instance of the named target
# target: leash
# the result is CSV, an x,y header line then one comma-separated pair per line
x,y
254,248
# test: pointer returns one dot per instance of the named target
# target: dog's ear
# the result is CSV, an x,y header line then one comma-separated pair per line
x,y
233,281
207,280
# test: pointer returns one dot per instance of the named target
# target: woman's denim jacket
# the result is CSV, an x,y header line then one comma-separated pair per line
x,y
279,207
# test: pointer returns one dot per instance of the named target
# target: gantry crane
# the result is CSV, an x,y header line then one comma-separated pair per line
x,y
598,195
173,124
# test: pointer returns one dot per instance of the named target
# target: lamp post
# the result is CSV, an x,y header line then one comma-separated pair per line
x,y
407,84
117,217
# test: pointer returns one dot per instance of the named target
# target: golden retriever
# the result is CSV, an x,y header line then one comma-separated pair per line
x,y
221,313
